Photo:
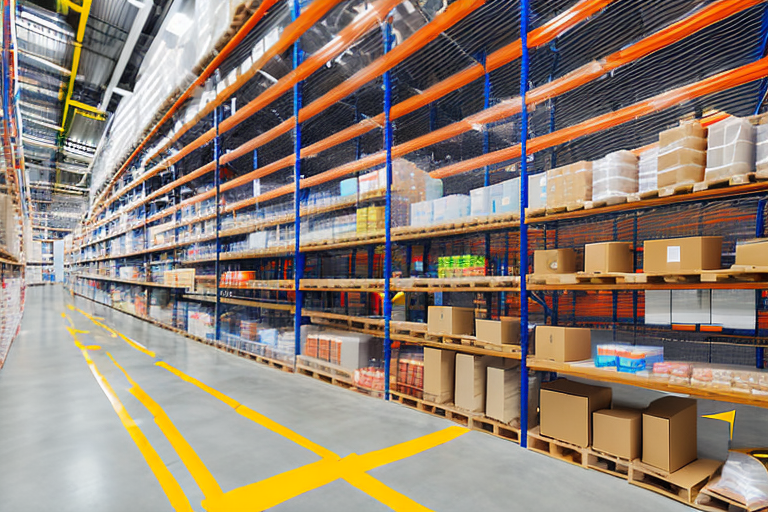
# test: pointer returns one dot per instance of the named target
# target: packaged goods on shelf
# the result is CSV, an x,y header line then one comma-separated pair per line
x,y
537,191
615,175
761,150
563,344
554,261
471,373
200,322
450,320
617,432
10,234
752,252
129,272
570,184
682,254
422,213
237,278
505,331
674,372
608,257
458,266
628,358
502,397
346,349
249,329
682,154
669,433
648,170
439,375
450,208
410,373
371,378
730,148
496,199
566,409
743,480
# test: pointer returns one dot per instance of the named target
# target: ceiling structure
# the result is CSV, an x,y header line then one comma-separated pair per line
x,y
76,60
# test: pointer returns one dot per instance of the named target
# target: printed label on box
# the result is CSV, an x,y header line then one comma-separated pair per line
x,y
673,254
505,201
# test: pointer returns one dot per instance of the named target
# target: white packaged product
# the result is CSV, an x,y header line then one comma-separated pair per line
x,y
761,165
615,175
648,170
480,202
730,149
537,191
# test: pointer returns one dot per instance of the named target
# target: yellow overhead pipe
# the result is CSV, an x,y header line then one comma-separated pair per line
x,y
84,11
87,108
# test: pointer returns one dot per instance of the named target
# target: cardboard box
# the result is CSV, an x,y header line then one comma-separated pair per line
x,y
669,433
471,372
566,409
450,320
438,375
563,344
674,136
608,257
505,331
682,254
502,397
618,432
753,253
554,261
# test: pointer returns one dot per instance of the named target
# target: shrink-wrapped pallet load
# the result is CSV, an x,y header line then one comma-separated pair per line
x,y
614,175
730,149
682,155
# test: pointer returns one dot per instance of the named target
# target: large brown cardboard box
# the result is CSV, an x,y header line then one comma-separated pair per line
x,y
470,381
682,254
554,261
618,432
563,344
502,397
676,137
438,375
566,409
608,257
753,253
505,331
669,433
450,320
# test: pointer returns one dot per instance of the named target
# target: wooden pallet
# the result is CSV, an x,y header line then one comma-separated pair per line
x,y
609,464
576,205
682,485
725,181
580,278
609,201
711,500
560,450
469,283
322,284
470,341
535,212
274,363
735,273
671,277
674,190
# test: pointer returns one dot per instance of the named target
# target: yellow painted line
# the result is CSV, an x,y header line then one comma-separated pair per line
x,y
93,347
187,454
728,417
253,415
115,334
170,486
285,486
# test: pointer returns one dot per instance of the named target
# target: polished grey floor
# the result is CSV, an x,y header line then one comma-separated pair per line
x,y
63,447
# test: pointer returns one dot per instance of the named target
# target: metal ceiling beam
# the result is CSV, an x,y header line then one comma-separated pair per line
x,y
45,62
130,44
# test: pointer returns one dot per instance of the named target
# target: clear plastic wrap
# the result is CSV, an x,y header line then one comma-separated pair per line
x,y
762,148
682,155
730,149
744,479
615,175
648,170
569,184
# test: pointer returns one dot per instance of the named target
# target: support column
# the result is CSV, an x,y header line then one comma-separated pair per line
x,y
524,8
387,212
298,257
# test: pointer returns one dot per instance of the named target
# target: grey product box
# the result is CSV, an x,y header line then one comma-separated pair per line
x,y
734,309
691,307
658,307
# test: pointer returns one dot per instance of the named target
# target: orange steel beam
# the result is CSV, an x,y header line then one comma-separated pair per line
x,y
200,80
429,32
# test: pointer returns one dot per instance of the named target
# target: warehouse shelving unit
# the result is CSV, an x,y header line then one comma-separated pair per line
x,y
232,173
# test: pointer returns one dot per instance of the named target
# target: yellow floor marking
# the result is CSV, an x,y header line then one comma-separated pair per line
x,y
114,333
728,417
170,486
191,460
285,486
252,415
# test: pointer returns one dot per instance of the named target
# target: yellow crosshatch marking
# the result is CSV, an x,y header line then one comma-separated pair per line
x,y
271,491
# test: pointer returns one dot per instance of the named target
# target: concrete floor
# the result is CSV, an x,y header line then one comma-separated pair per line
x,y
63,447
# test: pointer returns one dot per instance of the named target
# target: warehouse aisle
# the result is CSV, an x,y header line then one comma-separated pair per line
x,y
101,411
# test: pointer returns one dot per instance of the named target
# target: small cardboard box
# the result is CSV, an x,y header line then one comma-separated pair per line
x,y
470,381
563,344
617,432
505,331
502,397
674,136
566,409
438,375
669,433
753,253
554,261
450,320
682,254
608,257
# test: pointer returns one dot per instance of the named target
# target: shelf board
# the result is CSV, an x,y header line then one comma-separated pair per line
x,y
714,193
242,302
97,277
282,285
469,284
603,375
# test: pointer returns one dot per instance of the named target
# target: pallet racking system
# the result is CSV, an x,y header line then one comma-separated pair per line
x,y
231,171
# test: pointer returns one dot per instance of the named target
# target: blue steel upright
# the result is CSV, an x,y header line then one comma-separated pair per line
x,y
759,233
298,257
524,9
217,181
387,212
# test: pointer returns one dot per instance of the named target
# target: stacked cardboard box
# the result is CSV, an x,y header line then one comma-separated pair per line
x,y
682,154
570,184
691,254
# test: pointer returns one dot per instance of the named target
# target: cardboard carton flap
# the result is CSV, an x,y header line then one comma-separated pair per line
x,y
669,406
694,472
625,414
571,388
